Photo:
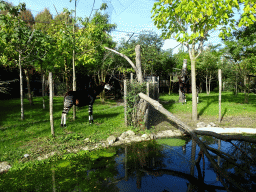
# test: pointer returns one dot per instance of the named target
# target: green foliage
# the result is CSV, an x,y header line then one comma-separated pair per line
x,y
176,17
43,20
133,89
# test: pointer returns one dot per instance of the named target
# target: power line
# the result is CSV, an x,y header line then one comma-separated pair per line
x,y
125,9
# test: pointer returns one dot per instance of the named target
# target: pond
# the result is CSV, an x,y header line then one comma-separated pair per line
x,y
157,165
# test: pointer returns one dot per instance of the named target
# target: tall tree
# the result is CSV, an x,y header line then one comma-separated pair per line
x,y
208,65
27,16
43,20
191,21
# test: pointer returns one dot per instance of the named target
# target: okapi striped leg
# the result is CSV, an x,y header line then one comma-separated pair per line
x,y
63,120
68,103
90,114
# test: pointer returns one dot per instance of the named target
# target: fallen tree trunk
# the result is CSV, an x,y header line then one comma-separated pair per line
x,y
226,137
170,116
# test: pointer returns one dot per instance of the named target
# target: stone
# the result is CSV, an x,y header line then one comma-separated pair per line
x,y
145,136
152,136
111,139
26,155
211,124
123,135
4,166
130,133
45,156
200,124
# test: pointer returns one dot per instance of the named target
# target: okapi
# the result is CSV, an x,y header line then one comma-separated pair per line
x,y
81,98
185,87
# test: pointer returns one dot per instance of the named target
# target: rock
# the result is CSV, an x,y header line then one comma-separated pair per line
x,y
211,124
111,139
126,134
123,135
4,166
26,155
45,156
130,133
200,124
152,136
145,136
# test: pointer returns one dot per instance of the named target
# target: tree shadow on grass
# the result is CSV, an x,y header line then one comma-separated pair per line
x,y
205,107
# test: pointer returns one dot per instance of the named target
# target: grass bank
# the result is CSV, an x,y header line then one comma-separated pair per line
x,y
234,111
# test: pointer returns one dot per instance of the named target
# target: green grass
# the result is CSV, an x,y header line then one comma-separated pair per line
x,y
33,135
231,105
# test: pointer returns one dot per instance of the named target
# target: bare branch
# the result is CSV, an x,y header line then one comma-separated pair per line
x,y
124,56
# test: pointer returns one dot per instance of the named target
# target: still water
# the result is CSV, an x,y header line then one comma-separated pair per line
x,y
157,166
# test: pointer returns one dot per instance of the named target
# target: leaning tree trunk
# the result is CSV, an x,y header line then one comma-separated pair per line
x,y
29,89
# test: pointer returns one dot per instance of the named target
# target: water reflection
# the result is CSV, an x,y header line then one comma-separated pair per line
x,y
145,166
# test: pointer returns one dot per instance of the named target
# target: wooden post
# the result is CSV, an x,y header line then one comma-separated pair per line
x,y
131,79
43,82
219,75
154,88
158,87
147,88
125,103
51,103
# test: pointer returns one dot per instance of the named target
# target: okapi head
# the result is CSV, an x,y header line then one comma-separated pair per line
x,y
101,87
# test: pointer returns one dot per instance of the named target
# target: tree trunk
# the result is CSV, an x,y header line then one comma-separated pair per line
x,y
102,78
182,96
219,74
210,78
206,80
194,94
51,103
138,64
236,83
43,85
66,73
170,86
246,91
74,69
28,86
21,89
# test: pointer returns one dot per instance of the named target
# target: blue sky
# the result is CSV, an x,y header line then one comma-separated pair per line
x,y
131,16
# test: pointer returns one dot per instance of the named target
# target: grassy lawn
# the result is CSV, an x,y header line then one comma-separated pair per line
x,y
33,135
233,108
